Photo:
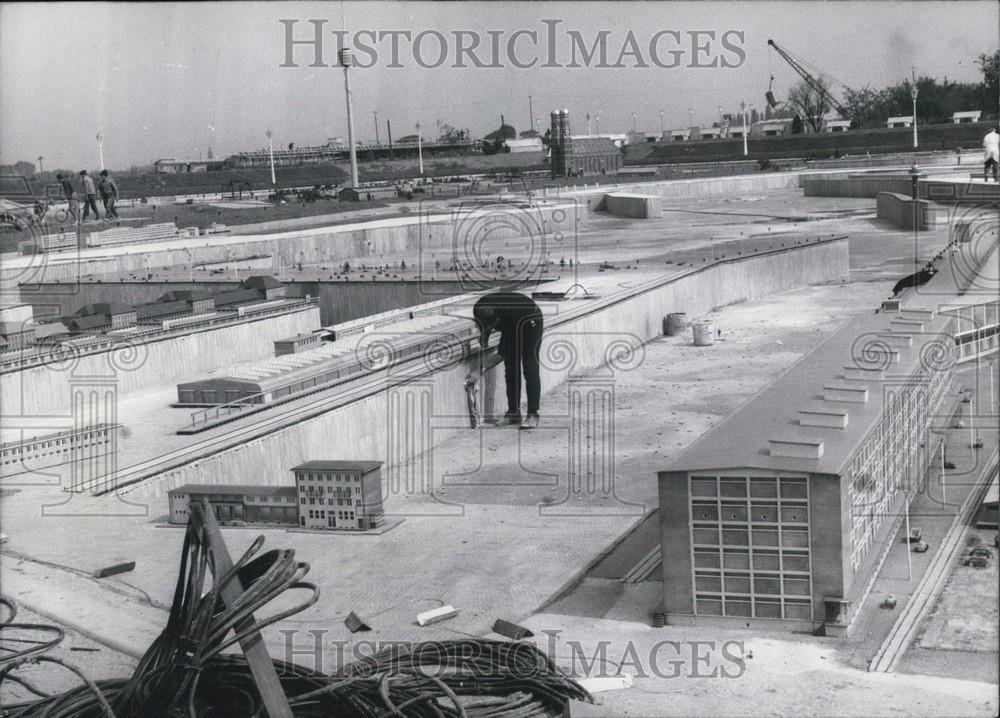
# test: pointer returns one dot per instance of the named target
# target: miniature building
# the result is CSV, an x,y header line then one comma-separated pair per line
x,y
269,287
968,116
201,301
340,494
104,315
782,512
573,155
237,298
296,344
158,312
251,504
17,335
680,135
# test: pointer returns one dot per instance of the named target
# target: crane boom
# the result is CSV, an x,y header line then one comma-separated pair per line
x,y
810,80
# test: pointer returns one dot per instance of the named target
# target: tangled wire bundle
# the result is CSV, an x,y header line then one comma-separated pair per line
x,y
184,674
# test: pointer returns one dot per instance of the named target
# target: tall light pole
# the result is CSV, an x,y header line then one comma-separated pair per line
x,y
531,113
746,127
100,149
420,151
690,117
345,57
913,94
375,112
661,124
635,129
588,124
41,168
270,150
597,123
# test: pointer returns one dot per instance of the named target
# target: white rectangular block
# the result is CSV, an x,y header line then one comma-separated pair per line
x,y
436,614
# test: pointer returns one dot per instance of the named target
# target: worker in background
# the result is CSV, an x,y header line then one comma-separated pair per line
x,y
109,194
89,195
991,147
519,321
69,194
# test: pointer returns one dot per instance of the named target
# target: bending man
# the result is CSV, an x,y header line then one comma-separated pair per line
x,y
519,321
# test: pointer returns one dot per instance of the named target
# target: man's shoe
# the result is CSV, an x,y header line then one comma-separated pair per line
x,y
530,422
511,419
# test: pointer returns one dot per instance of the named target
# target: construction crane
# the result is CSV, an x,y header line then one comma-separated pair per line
x,y
797,65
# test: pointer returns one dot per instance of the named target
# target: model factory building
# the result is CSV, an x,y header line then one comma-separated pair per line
x,y
326,495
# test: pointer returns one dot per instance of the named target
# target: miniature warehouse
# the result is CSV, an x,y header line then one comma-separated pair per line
x,y
653,408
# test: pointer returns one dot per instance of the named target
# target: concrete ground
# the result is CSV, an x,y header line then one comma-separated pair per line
x,y
503,551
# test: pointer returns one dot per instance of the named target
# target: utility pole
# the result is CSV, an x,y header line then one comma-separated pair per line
x,y
41,167
913,94
100,149
375,112
346,57
270,150
531,114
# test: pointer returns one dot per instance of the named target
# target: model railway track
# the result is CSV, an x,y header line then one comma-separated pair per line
x,y
904,630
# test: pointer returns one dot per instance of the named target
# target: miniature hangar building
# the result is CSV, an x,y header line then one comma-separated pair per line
x,y
785,511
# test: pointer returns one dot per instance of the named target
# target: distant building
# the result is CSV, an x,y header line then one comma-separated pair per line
x,y
680,135
339,494
527,144
250,504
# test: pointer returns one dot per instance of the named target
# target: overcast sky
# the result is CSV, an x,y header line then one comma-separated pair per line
x,y
169,80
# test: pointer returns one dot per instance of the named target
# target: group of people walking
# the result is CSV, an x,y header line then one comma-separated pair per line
x,y
106,187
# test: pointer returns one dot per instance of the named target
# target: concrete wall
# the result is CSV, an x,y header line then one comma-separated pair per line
x,y
592,199
461,232
408,417
860,186
904,212
147,363
639,206
338,301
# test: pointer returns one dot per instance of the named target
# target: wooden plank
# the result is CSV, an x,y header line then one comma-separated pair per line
x,y
261,666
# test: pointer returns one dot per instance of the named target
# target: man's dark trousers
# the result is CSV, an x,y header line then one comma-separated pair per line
x,y
522,353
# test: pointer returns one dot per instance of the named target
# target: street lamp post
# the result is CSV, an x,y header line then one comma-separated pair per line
x,y
41,167
597,123
377,141
345,58
635,129
746,127
270,151
913,94
420,151
661,124
690,117
100,149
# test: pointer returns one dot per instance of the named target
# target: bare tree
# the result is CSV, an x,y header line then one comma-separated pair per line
x,y
809,103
